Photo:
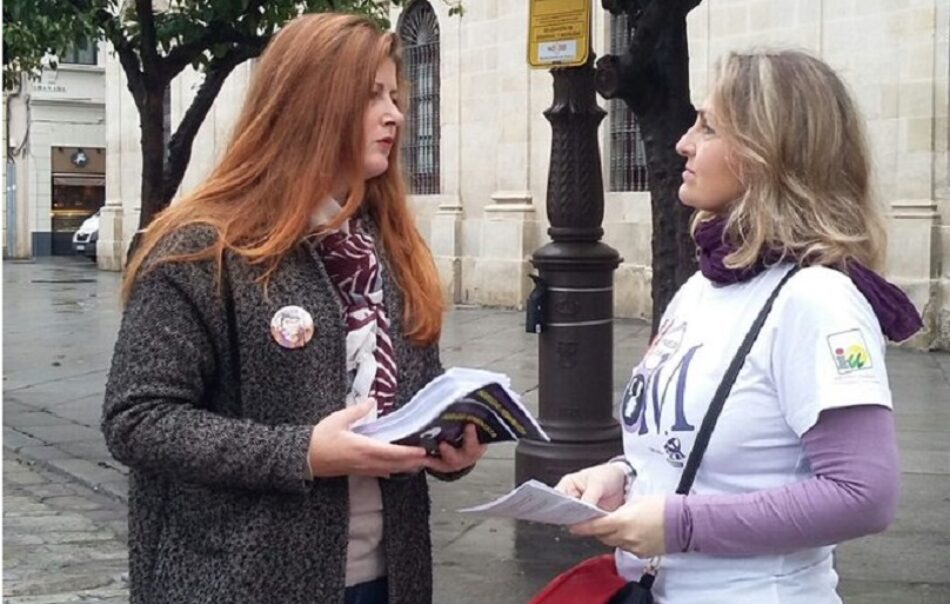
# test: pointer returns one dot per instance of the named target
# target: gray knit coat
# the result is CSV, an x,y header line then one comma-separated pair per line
x,y
216,435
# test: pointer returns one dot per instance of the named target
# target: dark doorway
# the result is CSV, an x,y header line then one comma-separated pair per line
x,y
75,198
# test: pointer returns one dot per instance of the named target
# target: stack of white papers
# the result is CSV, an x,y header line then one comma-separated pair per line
x,y
440,411
537,502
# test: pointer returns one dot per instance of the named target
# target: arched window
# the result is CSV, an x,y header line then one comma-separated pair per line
x,y
628,158
419,32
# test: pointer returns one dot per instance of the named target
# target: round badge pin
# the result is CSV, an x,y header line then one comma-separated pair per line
x,y
292,327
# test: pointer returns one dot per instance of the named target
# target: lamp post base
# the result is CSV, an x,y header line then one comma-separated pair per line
x,y
549,461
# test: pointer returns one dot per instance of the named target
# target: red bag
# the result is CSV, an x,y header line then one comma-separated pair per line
x,y
593,581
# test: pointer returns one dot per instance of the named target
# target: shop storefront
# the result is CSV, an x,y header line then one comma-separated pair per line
x,y
78,191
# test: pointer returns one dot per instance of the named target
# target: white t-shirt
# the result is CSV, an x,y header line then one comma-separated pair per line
x,y
820,348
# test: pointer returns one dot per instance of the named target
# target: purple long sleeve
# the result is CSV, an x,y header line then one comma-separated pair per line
x,y
853,454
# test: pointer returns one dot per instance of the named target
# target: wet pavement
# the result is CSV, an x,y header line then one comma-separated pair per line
x,y
60,321
62,542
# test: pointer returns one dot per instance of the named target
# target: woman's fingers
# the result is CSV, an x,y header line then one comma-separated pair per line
x,y
594,528
569,486
346,417
375,458
453,459
470,445
593,492
450,459
439,465
379,458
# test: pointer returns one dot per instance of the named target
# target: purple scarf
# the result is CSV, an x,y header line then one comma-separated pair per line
x,y
897,315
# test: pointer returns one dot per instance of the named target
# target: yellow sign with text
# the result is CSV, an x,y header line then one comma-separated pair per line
x,y
558,33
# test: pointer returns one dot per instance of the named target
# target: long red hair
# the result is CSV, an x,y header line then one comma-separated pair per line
x,y
299,134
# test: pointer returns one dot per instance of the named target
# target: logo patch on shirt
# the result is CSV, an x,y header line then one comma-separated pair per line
x,y
674,453
849,351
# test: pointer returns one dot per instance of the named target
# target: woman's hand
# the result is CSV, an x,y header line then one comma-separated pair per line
x,y
453,459
335,450
637,527
598,485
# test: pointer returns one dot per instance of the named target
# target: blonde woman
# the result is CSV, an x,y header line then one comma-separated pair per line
x,y
804,454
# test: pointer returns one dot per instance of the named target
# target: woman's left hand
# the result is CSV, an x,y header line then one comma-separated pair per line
x,y
453,459
636,527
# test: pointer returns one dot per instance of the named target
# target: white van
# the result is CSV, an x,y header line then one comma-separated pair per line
x,y
85,239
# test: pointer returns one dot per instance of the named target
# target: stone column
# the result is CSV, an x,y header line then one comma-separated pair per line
x,y
509,229
914,253
445,237
509,235
914,245
942,171
446,243
110,250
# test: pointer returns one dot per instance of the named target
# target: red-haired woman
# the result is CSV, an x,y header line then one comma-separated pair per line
x,y
285,299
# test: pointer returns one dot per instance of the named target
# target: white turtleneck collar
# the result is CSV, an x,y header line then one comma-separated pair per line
x,y
326,212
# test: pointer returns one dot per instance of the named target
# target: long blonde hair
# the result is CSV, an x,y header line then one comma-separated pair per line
x,y
300,132
799,149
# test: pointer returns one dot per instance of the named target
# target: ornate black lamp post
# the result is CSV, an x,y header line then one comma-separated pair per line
x,y
576,341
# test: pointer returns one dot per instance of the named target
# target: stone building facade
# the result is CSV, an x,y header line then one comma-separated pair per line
x,y
54,136
479,151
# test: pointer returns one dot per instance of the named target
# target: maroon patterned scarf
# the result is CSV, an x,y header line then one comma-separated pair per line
x,y
353,267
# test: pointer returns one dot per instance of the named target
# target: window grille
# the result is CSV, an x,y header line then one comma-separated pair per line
x,y
419,32
628,158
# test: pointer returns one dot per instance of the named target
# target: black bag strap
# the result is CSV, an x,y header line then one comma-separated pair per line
x,y
725,387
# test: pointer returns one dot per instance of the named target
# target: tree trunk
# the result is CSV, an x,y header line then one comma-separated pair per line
x,y
163,169
652,77
181,142
662,125
151,112
148,75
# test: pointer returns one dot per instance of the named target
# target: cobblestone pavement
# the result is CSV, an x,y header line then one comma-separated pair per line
x,y
62,542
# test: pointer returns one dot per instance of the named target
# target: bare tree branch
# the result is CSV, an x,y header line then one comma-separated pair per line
x,y
181,56
180,145
108,23
635,63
